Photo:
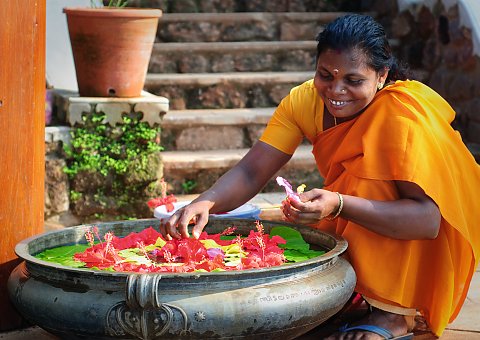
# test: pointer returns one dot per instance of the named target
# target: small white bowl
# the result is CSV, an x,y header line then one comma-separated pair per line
x,y
245,211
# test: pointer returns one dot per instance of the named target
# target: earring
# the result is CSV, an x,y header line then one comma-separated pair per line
x,y
379,86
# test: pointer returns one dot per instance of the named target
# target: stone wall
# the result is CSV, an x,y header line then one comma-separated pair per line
x,y
433,39
57,186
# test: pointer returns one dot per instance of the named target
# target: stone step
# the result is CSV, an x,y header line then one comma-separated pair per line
x,y
198,170
211,129
222,6
193,118
251,56
230,89
242,26
244,56
224,90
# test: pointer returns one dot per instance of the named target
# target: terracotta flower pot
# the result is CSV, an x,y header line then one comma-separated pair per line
x,y
111,49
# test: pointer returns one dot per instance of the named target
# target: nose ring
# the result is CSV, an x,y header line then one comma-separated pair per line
x,y
343,90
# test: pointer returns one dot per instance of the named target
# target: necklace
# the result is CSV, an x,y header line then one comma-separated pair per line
x,y
328,113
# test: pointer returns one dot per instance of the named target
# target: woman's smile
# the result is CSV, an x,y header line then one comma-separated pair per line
x,y
338,104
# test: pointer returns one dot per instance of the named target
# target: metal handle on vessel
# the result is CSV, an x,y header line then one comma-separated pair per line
x,y
143,314
142,291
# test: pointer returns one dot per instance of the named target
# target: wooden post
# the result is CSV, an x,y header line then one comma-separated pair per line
x,y
22,135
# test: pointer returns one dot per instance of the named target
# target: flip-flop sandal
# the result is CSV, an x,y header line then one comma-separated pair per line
x,y
377,330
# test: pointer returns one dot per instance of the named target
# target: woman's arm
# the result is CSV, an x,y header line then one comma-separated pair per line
x,y
413,216
231,190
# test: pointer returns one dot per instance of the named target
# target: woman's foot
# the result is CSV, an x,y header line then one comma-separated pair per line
x,y
394,323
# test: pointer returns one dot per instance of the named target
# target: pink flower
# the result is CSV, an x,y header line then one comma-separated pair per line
x,y
288,188
214,252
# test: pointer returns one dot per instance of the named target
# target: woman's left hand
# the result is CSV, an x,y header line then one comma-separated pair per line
x,y
315,205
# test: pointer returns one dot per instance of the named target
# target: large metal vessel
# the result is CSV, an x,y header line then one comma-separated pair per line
x,y
281,302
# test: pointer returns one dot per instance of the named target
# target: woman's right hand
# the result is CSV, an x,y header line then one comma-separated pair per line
x,y
177,225
314,205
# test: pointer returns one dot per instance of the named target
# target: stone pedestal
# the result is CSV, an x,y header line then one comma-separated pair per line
x,y
69,107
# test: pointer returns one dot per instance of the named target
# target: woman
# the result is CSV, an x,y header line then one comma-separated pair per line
x,y
399,182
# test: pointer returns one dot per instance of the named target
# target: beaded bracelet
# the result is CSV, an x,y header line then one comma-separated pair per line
x,y
340,207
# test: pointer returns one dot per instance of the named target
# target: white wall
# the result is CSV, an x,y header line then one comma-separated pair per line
x,y
60,68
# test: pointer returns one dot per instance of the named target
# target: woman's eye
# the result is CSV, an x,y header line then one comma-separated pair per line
x,y
325,76
355,81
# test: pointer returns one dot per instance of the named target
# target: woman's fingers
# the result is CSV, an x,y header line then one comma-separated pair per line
x,y
296,216
290,213
163,230
177,225
184,221
174,226
171,231
315,205
312,195
200,223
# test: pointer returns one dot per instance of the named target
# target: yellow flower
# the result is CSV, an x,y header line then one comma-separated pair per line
x,y
301,188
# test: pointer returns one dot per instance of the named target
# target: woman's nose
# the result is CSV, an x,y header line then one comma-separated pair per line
x,y
337,87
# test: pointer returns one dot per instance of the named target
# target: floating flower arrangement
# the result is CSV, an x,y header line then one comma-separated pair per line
x,y
148,252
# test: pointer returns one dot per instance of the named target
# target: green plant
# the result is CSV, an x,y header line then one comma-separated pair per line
x,y
111,3
110,150
75,195
188,186
115,166
118,3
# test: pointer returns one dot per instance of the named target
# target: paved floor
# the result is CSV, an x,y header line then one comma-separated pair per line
x,y
465,327
467,324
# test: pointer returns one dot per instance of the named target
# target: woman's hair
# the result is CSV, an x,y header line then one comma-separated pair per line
x,y
362,32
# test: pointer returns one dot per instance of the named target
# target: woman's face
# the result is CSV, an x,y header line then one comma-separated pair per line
x,y
345,82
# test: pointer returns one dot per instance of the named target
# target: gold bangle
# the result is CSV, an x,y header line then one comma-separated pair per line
x,y
339,209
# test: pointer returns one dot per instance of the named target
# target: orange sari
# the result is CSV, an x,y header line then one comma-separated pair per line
x,y
405,135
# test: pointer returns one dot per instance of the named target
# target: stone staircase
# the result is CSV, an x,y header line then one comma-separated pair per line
x,y
224,66
224,74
